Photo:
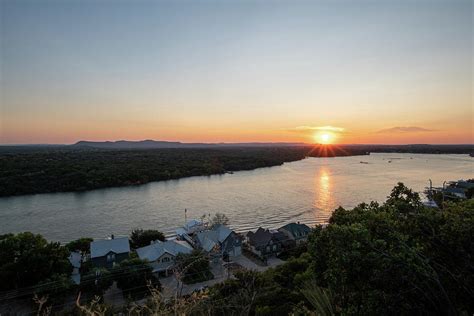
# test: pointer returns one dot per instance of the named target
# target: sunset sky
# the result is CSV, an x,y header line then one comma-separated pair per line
x,y
237,71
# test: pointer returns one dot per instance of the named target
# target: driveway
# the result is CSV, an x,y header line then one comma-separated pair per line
x,y
250,265
170,283
220,274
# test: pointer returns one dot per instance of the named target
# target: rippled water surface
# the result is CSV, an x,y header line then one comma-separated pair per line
x,y
306,191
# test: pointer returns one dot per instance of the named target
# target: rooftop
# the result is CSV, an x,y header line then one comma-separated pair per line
x,y
156,250
100,248
210,238
297,229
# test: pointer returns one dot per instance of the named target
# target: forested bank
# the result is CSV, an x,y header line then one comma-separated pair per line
x,y
64,169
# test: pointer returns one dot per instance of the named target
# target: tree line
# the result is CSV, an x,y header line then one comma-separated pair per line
x,y
62,169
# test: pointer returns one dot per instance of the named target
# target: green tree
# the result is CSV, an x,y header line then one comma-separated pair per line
x,y
219,219
399,257
96,281
403,199
56,288
141,238
134,276
193,267
82,245
27,259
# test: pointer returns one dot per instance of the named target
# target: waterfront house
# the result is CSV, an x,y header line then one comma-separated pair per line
x,y
296,232
189,229
75,258
193,226
266,243
161,255
219,240
106,253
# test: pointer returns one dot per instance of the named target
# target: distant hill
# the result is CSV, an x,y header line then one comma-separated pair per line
x,y
150,144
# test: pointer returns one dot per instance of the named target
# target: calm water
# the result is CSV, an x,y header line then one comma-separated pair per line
x,y
306,191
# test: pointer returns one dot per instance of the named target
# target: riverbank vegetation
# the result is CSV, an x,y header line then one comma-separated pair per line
x,y
47,169
63,169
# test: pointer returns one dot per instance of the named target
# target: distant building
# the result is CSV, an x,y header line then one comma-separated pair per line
x,y
219,240
162,255
296,232
455,192
75,258
266,243
108,252
463,184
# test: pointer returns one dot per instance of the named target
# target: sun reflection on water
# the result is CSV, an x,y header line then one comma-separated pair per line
x,y
323,200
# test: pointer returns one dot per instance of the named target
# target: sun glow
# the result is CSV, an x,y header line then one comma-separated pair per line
x,y
324,137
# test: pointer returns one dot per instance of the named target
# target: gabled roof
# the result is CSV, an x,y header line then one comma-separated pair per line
x,y
156,250
297,229
260,237
192,223
210,238
100,248
278,236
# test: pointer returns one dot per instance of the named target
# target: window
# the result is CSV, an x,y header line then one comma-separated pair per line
x,y
268,248
274,247
111,257
165,259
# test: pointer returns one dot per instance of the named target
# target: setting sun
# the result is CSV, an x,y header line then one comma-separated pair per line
x,y
324,138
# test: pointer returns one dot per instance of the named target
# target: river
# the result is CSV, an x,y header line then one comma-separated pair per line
x,y
306,191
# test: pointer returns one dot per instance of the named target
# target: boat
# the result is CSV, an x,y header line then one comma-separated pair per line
x,y
364,162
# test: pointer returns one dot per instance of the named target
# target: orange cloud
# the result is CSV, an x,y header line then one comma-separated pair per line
x,y
406,129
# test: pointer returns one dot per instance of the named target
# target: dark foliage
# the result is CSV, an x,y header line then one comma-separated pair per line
x,y
62,169
27,259
193,267
397,258
82,245
133,277
95,282
141,238
56,288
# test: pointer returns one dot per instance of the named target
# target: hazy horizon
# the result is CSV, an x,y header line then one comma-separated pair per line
x,y
210,143
366,72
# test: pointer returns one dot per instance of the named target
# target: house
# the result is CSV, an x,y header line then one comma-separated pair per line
x,y
194,226
296,232
75,258
265,243
189,229
108,252
220,240
162,255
